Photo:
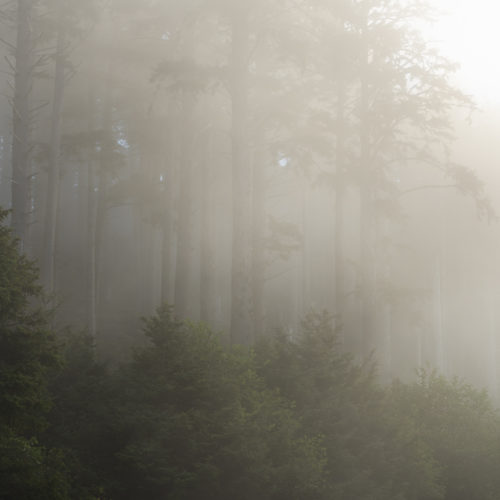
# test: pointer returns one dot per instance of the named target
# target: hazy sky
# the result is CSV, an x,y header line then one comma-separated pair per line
x,y
469,33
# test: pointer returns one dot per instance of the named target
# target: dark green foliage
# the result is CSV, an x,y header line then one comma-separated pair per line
x,y
30,471
460,427
368,455
197,422
189,419
433,439
27,347
81,416
28,351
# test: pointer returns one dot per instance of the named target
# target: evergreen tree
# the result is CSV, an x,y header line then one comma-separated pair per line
x,y
28,351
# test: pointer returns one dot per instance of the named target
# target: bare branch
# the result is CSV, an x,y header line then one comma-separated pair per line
x,y
427,186
40,106
8,44
10,64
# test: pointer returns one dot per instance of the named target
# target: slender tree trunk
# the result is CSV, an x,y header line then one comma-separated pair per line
x,y
387,341
168,227
492,347
305,281
419,337
207,251
367,285
185,206
105,163
168,242
438,317
91,224
258,237
149,242
21,146
241,306
52,200
97,203
339,208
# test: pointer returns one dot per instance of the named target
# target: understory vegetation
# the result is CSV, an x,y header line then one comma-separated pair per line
x,y
188,417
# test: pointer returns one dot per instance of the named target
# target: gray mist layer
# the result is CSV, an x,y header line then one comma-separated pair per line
x,y
249,161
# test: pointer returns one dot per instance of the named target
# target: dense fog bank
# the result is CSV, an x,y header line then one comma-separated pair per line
x,y
249,162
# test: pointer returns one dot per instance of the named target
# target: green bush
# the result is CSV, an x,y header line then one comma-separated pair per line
x,y
28,353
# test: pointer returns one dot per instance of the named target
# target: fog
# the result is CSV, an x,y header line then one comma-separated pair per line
x,y
249,162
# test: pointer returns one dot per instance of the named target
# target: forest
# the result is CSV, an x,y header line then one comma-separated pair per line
x,y
248,250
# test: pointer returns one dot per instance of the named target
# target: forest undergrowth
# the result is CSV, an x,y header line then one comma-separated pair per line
x,y
187,417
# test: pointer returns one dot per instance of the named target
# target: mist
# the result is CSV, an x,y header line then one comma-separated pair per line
x,y
254,164
249,164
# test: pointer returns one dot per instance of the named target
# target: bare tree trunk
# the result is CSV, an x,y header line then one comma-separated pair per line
x,y
387,341
21,146
207,251
339,209
258,237
52,200
438,317
105,162
97,203
305,281
492,347
419,337
367,281
168,227
241,329
185,206
91,226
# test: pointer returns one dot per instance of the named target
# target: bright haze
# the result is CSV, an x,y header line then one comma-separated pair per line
x,y
468,33
249,161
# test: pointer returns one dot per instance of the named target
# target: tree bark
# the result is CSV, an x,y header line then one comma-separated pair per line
x,y
492,347
258,237
240,326
339,209
440,346
367,277
91,224
168,227
97,204
21,146
207,230
52,200
185,206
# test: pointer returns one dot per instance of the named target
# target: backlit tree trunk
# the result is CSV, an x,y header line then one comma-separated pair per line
x,y
207,234
52,200
258,237
21,144
185,207
241,328
339,207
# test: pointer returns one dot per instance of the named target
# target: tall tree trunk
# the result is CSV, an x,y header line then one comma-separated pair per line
x,y
305,257
339,208
185,207
387,339
52,200
91,223
241,306
97,203
305,264
207,230
367,285
21,146
419,350
168,227
258,237
105,163
492,346
438,314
